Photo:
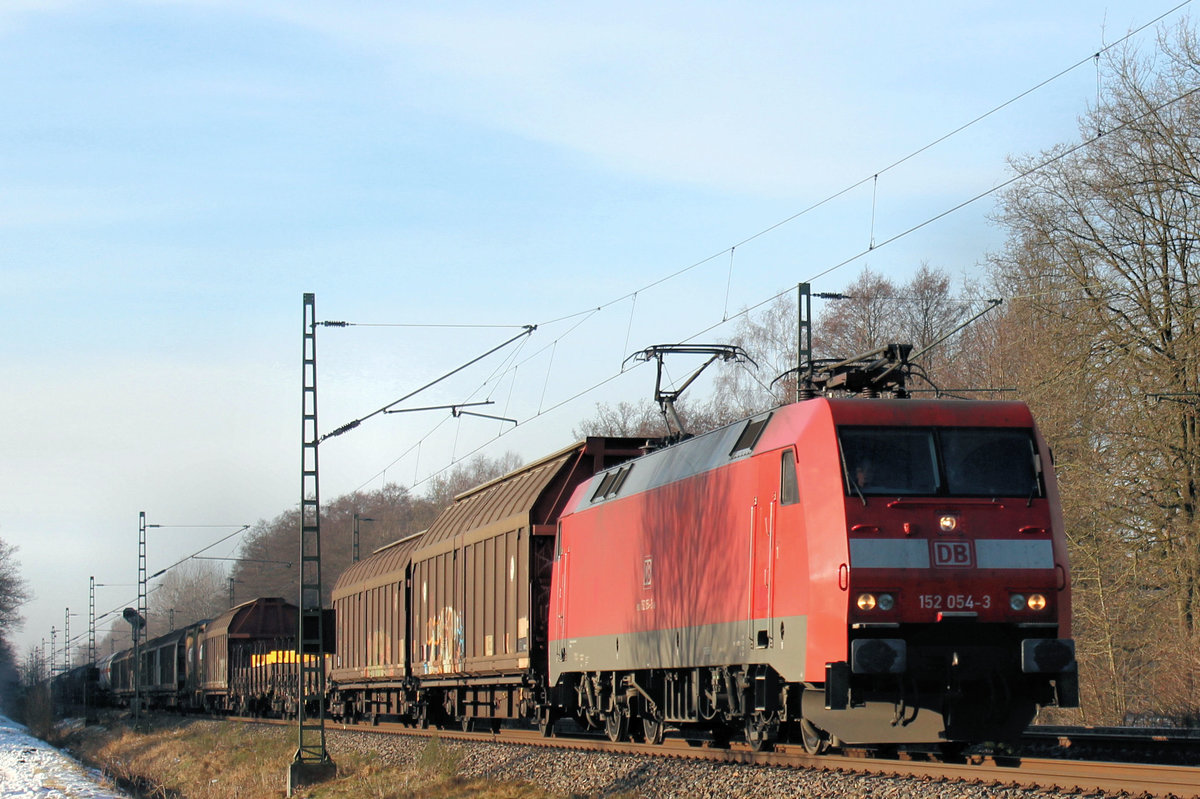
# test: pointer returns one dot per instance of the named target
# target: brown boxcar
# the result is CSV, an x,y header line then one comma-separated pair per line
x,y
229,642
266,685
190,695
369,675
164,669
480,585
120,677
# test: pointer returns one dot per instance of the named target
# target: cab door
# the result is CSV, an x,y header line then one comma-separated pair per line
x,y
560,598
763,552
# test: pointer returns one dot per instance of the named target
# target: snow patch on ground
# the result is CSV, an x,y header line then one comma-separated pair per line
x,y
33,769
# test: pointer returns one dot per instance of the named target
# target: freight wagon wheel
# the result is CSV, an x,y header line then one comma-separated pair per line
x,y
546,723
616,726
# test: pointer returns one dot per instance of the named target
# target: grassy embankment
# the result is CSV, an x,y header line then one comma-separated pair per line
x,y
191,759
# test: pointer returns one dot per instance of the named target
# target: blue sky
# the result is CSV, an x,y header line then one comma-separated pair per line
x,y
174,176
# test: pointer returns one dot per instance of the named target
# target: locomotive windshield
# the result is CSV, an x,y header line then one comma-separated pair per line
x,y
944,461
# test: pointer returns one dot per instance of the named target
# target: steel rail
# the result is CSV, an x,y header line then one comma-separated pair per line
x,y
1078,776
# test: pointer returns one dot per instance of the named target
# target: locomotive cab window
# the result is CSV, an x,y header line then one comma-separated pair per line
x,y
899,461
965,462
991,462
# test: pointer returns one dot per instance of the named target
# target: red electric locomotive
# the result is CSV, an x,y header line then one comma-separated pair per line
x,y
839,570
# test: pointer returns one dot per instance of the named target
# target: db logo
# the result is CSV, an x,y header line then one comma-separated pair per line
x,y
953,553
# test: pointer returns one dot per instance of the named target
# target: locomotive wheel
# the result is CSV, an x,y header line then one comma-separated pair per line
x,y
759,731
652,730
616,726
815,741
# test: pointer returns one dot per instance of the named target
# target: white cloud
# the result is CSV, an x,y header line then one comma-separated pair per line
x,y
775,98
700,94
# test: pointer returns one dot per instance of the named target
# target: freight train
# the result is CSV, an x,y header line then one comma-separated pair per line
x,y
855,568
229,664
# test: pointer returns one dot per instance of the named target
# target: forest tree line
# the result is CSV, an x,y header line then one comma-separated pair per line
x,y
14,592
1097,331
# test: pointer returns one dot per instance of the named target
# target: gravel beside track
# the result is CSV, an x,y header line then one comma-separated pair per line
x,y
590,774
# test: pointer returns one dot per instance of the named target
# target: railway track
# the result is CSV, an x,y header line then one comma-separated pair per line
x,y
1047,773
1168,746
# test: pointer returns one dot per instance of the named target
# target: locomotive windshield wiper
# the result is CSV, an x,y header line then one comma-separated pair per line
x,y
850,477
854,484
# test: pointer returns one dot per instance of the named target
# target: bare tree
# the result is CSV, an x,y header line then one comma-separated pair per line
x,y
192,591
1104,249
644,419
269,565
926,314
266,549
623,419
13,590
13,593
464,476
873,311
769,337
865,319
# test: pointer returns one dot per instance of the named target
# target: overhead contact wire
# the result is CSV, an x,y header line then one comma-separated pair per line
x,y
976,120
588,312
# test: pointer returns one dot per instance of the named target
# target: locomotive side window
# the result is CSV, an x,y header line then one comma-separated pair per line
x,y
990,462
789,491
899,461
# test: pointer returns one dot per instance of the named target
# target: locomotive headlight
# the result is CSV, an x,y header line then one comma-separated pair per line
x,y
886,602
866,602
948,523
1036,602
1017,601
